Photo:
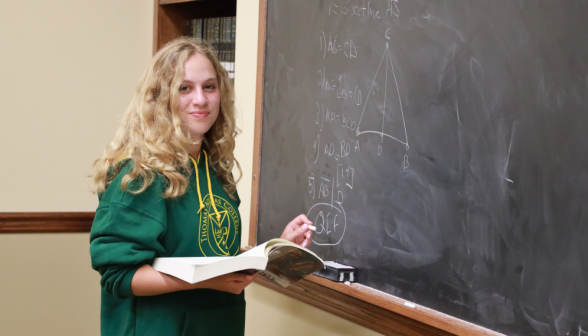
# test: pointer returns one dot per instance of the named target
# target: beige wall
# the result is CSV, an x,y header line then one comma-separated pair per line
x,y
68,69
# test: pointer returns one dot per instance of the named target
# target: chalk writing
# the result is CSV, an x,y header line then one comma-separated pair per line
x,y
339,127
330,46
359,9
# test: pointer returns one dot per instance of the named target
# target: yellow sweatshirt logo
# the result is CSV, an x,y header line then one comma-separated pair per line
x,y
217,238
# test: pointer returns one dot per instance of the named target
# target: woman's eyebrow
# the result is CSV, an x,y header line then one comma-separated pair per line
x,y
206,80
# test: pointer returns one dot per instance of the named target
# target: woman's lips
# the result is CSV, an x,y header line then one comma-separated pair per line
x,y
199,114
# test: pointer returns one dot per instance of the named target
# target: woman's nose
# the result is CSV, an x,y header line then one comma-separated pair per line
x,y
198,97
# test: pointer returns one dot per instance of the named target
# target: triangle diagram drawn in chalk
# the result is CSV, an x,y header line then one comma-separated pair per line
x,y
382,112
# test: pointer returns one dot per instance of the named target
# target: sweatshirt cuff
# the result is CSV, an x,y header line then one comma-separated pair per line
x,y
125,288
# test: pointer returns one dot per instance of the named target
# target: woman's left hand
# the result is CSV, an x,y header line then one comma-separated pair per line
x,y
297,231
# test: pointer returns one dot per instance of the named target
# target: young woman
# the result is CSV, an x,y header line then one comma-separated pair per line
x,y
166,190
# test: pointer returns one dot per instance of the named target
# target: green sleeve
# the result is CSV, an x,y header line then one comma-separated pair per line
x,y
125,234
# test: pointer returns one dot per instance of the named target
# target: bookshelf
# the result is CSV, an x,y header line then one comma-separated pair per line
x,y
171,16
221,33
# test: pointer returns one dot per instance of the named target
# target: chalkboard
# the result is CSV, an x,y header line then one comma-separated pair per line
x,y
439,146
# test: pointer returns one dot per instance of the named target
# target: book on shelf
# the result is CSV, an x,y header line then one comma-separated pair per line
x,y
279,260
220,32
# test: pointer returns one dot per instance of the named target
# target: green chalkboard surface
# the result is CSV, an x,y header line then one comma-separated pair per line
x,y
439,146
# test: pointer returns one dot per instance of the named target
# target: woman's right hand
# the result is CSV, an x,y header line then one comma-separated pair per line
x,y
233,283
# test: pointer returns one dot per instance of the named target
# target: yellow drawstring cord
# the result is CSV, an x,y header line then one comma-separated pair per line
x,y
197,184
218,216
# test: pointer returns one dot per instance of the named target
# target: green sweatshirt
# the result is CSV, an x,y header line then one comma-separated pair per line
x,y
131,230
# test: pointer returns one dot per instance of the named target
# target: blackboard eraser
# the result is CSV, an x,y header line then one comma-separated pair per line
x,y
337,272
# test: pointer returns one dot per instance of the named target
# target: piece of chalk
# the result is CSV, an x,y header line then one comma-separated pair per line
x,y
410,304
313,228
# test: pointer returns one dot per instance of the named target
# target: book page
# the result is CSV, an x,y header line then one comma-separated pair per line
x,y
292,263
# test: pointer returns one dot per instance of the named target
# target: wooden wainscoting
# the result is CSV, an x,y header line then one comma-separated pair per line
x,y
45,222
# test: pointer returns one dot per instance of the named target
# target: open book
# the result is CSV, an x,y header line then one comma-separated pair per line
x,y
280,260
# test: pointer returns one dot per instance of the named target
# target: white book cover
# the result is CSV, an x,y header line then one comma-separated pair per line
x,y
196,269
281,260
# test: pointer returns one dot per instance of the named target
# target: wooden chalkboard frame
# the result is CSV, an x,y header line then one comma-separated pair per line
x,y
360,304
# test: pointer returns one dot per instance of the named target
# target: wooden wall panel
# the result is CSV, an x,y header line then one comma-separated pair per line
x,y
45,222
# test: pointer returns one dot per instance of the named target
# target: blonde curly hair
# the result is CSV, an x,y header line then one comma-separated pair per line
x,y
153,133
